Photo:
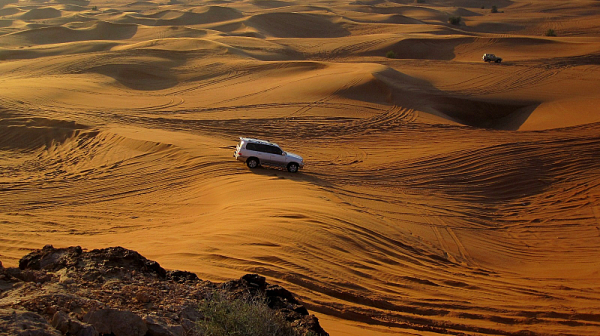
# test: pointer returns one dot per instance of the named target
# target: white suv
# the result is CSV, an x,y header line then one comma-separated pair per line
x,y
259,152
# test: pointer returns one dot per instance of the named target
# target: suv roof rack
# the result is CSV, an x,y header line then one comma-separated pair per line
x,y
267,142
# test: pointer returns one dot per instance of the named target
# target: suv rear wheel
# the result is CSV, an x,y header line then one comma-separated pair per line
x,y
252,163
292,167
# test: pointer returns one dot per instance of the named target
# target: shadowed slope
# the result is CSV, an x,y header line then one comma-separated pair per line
x,y
296,25
421,210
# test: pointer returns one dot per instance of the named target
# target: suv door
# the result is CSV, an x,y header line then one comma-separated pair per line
x,y
263,153
276,156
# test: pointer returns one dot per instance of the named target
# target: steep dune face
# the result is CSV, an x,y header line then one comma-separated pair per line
x,y
41,13
180,18
30,134
441,195
296,25
52,35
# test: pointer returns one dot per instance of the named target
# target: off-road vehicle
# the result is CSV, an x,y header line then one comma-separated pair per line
x,y
491,58
257,152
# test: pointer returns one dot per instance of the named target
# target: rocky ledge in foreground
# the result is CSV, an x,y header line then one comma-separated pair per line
x,y
118,292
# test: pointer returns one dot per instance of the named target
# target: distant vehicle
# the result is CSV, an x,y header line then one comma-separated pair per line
x,y
257,152
491,58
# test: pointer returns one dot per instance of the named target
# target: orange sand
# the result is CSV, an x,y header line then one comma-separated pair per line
x,y
442,195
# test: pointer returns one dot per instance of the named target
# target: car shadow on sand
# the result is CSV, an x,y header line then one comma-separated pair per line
x,y
280,173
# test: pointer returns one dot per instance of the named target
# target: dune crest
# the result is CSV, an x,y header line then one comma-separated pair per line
x,y
441,194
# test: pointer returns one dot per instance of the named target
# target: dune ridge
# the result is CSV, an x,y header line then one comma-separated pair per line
x,y
441,196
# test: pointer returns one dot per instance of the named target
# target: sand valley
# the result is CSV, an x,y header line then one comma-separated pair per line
x,y
442,195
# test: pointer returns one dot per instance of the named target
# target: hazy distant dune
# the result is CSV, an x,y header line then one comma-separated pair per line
x,y
441,194
415,12
180,18
75,8
51,35
143,4
68,48
271,3
297,25
41,13
382,18
9,11
498,27
463,12
3,3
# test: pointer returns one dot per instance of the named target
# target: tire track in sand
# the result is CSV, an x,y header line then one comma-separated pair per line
x,y
449,246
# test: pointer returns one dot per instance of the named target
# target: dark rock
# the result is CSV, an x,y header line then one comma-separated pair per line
x,y
300,309
160,328
72,326
279,296
188,326
144,296
24,323
7,279
33,276
176,330
182,276
49,258
86,330
60,321
190,313
255,280
116,322
110,260
120,258
312,324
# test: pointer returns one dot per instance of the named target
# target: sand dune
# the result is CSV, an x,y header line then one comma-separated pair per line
x,y
178,18
442,195
56,50
296,25
9,11
40,14
53,35
382,18
3,3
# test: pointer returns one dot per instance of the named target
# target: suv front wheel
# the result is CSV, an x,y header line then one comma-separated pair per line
x,y
252,163
292,167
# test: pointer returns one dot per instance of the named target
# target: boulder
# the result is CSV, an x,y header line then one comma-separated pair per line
x,y
116,322
50,259
119,258
182,276
112,260
72,326
156,327
255,280
24,323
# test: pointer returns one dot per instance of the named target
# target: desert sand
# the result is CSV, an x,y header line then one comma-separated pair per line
x,y
441,195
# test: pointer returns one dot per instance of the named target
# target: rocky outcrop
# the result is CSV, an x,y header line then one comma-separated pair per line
x,y
25,323
115,291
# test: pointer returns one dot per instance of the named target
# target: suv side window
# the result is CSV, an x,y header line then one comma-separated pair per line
x,y
251,146
275,150
262,148
270,149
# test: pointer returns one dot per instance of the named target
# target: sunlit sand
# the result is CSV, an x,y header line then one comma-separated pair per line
x,y
441,194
